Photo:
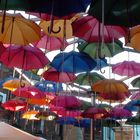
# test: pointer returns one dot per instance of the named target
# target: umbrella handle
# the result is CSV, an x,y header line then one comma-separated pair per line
x,y
53,31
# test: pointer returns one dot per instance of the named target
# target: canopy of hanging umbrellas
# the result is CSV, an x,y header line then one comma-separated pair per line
x,y
71,61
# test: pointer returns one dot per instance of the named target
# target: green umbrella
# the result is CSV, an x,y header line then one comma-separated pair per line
x,y
88,78
109,49
116,12
136,82
133,120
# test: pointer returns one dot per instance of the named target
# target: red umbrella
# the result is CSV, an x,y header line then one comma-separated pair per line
x,y
89,29
30,92
126,68
51,43
56,76
26,58
15,105
62,112
120,113
95,113
69,102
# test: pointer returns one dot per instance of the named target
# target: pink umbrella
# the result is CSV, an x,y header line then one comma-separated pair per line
x,y
135,96
95,113
51,43
126,68
14,105
62,112
26,57
89,29
69,102
55,76
120,113
29,92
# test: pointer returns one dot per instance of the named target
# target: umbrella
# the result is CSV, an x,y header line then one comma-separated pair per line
x,y
135,96
111,90
30,115
116,12
62,112
15,105
101,63
89,29
135,120
56,76
94,113
136,82
88,78
119,113
46,115
49,86
18,30
51,43
57,8
69,102
30,92
24,55
13,84
132,39
73,62
109,49
133,105
126,68
66,120
60,28
37,101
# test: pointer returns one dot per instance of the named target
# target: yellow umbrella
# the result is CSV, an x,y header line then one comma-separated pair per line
x,y
133,38
13,84
60,28
18,30
30,115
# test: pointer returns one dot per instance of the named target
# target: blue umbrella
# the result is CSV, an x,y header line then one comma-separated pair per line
x,y
48,86
66,120
133,105
101,63
58,8
83,123
73,62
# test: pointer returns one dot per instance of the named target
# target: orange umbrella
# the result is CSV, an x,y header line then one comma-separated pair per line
x,y
133,38
60,28
112,90
13,84
37,101
18,30
30,115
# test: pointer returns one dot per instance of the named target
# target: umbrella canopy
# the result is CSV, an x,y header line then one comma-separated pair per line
x,y
73,62
111,90
15,105
37,101
50,7
18,30
109,49
126,68
136,82
88,78
89,29
133,105
60,28
46,115
56,76
135,120
30,92
132,39
24,55
69,102
119,113
49,86
50,43
13,84
94,113
117,12
66,120
62,112
30,115
135,96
